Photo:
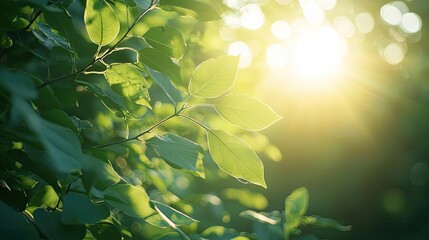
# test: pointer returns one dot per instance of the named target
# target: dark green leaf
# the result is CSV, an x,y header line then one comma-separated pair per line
x,y
165,84
159,61
50,39
98,173
50,225
179,152
130,199
17,83
167,39
14,225
79,209
235,157
105,231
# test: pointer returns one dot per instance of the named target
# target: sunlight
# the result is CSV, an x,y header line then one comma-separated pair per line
x,y
317,54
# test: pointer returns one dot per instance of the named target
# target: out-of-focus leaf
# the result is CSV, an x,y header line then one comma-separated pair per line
x,y
167,39
130,199
45,197
219,233
176,217
50,225
79,209
214,77
235,157
246,198
14,225
166,85
203,10
296,205
260,217
101,22
326,223
177,151
246,112
98,173
159,61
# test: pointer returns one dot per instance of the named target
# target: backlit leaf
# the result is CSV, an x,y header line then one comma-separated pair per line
x,y
203,10
130,199
167,39
176,217
159,61
214,77
166,85
235,157
246,112
101,22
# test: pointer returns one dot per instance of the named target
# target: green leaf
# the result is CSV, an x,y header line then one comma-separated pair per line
x,y
246,112
214,77
179,152
105,231
79,209
167,39
166,85
328,223
219,233
130,199
98,173
159,61
144,4
17,83
176,217
296,205
235,157
132,84
14,225
45,197
50,39
50,225
246,198
101,22
203,10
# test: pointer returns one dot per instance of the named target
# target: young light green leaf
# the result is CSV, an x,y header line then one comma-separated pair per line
x,y
214,77
79,209
176,217
166,85
45,197
203,10
179,152
167,39
132,84
235,157
159,61
101,22
296,203
50,225
130,199
246,112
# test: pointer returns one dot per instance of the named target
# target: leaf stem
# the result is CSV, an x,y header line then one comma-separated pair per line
x,y
171,224
97,59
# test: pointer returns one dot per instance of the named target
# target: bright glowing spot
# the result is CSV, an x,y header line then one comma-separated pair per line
x,y
276,55
391,14
364,22
242,49
411,23
401,6
327,4
344,26
284,2
232,20
252,17
394,53
313,13
306,3
317,54
281,29
232,3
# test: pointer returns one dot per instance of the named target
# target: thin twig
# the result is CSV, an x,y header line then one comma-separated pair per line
x,y
97,59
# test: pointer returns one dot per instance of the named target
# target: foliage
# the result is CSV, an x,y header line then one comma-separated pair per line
x,y
105,106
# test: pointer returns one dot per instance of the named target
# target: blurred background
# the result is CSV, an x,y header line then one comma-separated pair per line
x,y
350,79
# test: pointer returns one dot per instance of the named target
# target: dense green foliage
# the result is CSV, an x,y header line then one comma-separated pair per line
x,y
107,108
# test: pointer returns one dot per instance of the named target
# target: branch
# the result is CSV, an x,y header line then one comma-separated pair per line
x,y
97,59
